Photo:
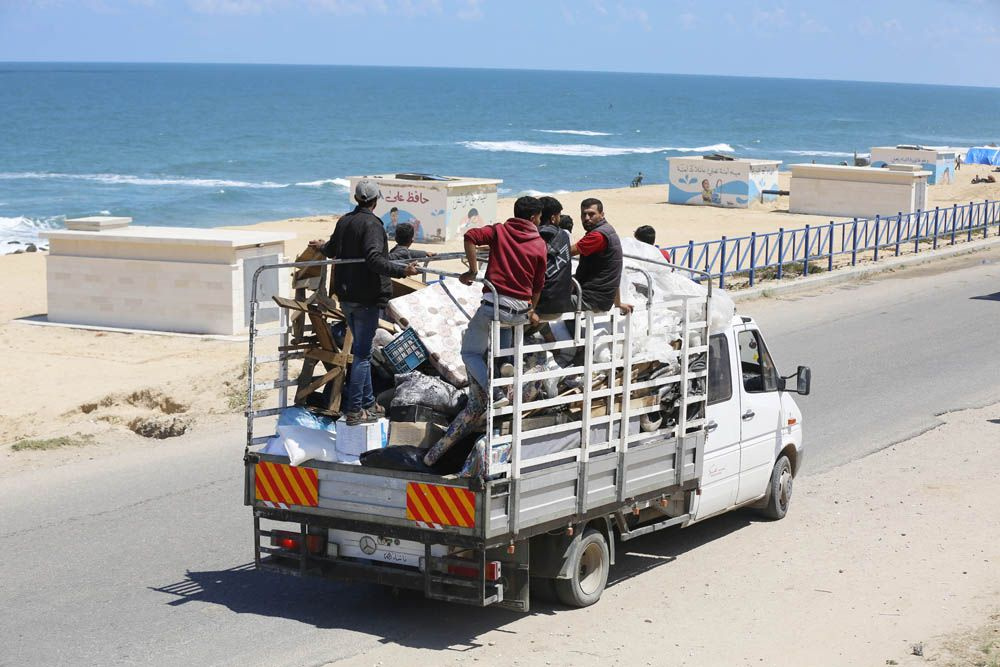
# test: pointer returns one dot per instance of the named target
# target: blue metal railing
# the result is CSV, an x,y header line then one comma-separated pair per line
x,y
812,246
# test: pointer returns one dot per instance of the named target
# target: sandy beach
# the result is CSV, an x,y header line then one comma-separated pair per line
x,y
61,381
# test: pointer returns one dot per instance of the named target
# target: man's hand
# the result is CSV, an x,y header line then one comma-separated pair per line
x,y
626,308
411,269
533,318
431,254
467,278
317,243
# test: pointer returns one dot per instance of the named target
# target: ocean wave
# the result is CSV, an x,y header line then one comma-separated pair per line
x,y
581,133
586,150
342,182
539,193
822,153
17,232
126,179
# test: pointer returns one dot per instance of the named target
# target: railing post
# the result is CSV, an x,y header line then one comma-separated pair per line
x,y
691,254
781,252
899,230
916,237
829,237
968,223
805,254
753,256
936,212
954,222
722,264
986,222
854,243
877,221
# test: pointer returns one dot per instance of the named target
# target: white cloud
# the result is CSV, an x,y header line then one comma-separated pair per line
x,y
230,7
634,15
689,20
471,10
811,26
568,16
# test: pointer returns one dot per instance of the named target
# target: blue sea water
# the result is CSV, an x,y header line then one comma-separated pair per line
x,y
209,145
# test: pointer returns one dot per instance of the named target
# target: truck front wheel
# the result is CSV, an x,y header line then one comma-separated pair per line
x,y
780,491
589,569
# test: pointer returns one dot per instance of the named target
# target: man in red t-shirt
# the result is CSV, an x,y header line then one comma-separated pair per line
x,y
517,270
647,234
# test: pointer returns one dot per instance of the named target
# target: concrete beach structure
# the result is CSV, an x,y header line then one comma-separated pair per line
x,y
940,162
440,208
862,192
731,183
177,279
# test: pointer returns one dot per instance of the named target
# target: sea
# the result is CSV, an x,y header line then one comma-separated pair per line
x,y
208,145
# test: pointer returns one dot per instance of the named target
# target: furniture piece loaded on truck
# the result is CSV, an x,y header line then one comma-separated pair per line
x,y
673,414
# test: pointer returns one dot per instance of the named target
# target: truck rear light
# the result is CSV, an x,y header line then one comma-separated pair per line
x,y
290,541
492,570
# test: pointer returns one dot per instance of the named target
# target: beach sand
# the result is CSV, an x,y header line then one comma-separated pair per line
x,y
60,381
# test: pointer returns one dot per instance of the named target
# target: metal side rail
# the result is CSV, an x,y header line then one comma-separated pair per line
x,y
626,534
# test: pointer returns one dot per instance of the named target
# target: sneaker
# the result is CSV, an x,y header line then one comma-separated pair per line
x,y
360,417
376,410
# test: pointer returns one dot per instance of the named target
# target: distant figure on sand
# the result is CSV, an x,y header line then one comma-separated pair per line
x,y
637,181
958,162
647,234
988,179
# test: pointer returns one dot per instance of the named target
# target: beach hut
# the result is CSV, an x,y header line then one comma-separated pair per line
x,y
440,208
715,180
106,274
939,161
862,192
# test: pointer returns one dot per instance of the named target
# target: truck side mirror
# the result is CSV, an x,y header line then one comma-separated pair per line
x,y
803,380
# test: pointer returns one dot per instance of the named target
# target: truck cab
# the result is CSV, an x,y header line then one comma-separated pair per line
x,y
753,439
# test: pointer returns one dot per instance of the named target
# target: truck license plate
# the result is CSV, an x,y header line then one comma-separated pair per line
x,y
382,549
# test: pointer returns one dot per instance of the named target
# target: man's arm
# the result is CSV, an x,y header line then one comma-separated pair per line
x,y
626,308
380,264
469,276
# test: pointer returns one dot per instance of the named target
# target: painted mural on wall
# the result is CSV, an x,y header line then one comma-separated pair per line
x,y
734,184
941,165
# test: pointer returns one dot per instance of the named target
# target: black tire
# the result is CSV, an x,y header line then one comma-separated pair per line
x,y
780,491
544,589
590,566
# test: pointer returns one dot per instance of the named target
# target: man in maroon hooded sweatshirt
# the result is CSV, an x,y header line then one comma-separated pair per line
x,y
517,270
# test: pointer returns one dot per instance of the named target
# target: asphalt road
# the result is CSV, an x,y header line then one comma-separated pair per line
x,y
145,557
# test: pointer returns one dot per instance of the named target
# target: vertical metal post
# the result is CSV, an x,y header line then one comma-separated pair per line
x,y
805,254
781,251
899,230
954,222
722,263
690,254
986,222
854,242
936,213
753,256
515,428
916,236
877,221
829,263
968,223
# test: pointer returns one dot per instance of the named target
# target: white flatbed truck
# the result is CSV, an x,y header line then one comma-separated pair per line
x,y
625,462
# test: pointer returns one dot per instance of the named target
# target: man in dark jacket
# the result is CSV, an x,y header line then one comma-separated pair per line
x,y
600,269
362,288
557,294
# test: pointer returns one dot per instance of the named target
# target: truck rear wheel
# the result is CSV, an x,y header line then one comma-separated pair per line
x,y
780,491
589,569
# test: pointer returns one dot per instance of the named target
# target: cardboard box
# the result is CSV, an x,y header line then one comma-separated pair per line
x,y
418,434
356,440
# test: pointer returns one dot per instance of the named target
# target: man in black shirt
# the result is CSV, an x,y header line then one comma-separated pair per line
x,y
362,288
402,250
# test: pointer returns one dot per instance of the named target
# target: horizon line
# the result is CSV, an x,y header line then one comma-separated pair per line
x,y
500,69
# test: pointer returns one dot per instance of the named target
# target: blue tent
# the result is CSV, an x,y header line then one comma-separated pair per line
x,y
983,155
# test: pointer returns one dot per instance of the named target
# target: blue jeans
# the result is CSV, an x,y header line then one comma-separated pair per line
x,y
476,341
363,322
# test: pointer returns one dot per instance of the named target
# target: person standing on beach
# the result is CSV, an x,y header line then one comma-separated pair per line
x,y
362,288
517,271
601,261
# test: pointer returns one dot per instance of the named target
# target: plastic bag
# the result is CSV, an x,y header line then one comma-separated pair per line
x,y
299,416
418,389
308,444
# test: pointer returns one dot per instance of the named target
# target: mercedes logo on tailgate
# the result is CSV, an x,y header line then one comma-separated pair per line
x,y
367,544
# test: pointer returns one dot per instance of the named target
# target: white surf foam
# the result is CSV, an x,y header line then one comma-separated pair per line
x,y
582,133
127,179
822,153
341,182
17,232
587,150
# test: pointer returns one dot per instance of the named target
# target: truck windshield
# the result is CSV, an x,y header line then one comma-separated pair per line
x,y
758,370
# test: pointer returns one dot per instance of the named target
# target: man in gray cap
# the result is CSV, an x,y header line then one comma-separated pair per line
x,y
362,288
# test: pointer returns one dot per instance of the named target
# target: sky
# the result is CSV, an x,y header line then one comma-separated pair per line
x,y
906,41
